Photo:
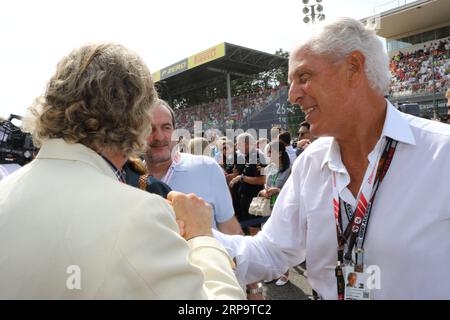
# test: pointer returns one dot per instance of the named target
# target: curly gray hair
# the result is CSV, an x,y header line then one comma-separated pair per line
x,y
100,96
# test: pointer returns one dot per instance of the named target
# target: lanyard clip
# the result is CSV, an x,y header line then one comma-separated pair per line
x,y
359,266
340,282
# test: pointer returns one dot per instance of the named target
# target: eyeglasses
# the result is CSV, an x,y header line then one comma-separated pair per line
x,y
302,133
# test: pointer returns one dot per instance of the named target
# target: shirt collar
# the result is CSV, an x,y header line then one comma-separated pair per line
x,y
177,161
396,126
119,173
333,158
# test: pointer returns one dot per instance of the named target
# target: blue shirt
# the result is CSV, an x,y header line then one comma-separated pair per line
x,y
205,178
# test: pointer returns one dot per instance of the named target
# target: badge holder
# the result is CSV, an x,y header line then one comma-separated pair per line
x,y
356,280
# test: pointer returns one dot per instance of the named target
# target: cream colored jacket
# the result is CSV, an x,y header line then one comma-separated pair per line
x,y
70,230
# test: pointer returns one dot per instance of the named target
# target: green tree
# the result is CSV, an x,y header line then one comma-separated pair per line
x,y
264,80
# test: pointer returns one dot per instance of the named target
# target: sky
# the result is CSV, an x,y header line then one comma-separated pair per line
x,y
36,34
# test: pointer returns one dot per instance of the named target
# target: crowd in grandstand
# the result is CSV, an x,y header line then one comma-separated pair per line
x,y
215,114
417,72
413,72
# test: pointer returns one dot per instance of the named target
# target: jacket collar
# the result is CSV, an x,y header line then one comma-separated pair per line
x,y
61,150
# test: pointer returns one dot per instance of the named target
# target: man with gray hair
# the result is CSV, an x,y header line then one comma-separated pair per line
x,y
371,163
250,180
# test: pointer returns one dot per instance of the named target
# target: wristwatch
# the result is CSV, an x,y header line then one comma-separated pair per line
x,y
257,290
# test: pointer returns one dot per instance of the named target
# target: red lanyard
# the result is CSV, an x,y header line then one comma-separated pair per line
x,y
356,229
355,232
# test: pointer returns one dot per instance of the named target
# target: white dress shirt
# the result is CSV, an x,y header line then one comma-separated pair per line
x,y
408,235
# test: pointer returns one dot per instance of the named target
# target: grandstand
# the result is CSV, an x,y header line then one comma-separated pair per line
x,y
200,89
417,37
418,41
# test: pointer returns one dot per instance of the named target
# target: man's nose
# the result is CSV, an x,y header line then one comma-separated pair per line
x,y
157,134
295,94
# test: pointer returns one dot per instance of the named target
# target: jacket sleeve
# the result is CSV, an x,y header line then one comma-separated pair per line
x,y
171,267
157,187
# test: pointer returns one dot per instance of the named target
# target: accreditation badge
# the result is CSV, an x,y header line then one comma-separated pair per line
x,y
356,284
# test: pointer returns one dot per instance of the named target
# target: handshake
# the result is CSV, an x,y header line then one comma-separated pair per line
x,y
193,214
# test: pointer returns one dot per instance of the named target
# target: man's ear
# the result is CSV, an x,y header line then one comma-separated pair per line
x,y
355,64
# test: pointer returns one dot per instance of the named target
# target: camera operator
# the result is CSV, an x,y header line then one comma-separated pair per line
x,y
16,147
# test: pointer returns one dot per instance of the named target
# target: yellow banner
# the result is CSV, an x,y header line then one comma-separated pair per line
x,y
156,76
174,69
206,56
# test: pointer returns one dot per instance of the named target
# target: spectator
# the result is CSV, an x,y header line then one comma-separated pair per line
x,y
136,176
250,181
274,133
188,173
277,173
339,77
219,152
304,138
261,145
285,139
6,167
214,114
418,72
199,146
229,160
182,147
69,212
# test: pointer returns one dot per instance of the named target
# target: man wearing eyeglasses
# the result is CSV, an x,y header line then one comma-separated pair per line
x,y
304,137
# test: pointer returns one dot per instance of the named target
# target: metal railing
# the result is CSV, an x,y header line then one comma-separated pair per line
x,y
391,5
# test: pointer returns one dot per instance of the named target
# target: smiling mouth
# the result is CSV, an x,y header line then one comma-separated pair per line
x,y
309,110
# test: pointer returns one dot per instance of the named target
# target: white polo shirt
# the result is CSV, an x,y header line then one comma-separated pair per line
x,y
408,235
204,177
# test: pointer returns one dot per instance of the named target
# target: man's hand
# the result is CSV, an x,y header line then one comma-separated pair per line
x,y
264,193
181,227
193,214
304,143
272,191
